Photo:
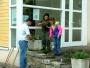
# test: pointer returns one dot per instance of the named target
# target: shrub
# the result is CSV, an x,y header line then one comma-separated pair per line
x,y
80,55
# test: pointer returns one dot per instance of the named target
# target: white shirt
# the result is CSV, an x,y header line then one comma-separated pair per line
x,y
23,31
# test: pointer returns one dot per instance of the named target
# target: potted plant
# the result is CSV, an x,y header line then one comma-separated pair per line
x,y
35,43
80,60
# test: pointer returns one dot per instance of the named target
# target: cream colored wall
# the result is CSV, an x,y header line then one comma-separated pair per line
x,y
3,56
88,22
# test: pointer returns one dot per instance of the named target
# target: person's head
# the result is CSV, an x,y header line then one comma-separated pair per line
x,y
46,17
54,22
29,22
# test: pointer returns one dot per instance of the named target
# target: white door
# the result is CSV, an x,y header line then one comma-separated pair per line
x,y
74,26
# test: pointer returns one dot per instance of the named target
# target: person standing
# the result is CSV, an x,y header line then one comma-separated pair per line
x,y
45,24
24,36
55,32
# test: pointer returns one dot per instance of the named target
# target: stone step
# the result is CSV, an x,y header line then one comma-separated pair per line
x,y
40,60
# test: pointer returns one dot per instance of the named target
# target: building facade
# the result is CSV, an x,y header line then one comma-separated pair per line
x,y
73,16
4,23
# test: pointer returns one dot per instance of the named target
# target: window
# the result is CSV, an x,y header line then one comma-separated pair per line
x,y
13,16
13,37
76,19
77,4
66,19
76,35
66,35
69,12
67,26
46,3
13,27
13,2
13,23
73,22
29,12
67,4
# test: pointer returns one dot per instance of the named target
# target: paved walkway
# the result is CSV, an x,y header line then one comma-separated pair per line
x,y
35,58
2,65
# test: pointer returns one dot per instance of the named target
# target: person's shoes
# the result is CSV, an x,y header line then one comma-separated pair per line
x,y
57,54
45,52
49,50
42,49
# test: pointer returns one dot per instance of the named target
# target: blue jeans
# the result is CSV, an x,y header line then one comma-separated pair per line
x,y
56,46
23,48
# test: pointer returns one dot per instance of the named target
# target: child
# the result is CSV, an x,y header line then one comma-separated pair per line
x,y
55,31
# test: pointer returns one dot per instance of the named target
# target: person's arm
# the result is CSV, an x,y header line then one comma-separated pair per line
x,y
50,33
48,24
60,31
39,24
29,37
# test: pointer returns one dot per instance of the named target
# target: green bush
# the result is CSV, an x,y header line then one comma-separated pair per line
x,y
80,55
